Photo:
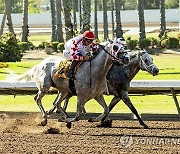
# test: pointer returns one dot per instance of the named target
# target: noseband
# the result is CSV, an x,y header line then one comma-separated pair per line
x,y
142,63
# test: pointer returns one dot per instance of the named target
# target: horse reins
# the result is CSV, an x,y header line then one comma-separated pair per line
x,y
108,54
111,54
144,64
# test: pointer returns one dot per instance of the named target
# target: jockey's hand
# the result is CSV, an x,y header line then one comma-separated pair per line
x,y
87,57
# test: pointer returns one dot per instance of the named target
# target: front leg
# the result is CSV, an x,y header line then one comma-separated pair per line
x,y
101,101
128,102
80,107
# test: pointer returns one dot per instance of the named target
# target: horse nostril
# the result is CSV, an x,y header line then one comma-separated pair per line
x,y
156,71
126,60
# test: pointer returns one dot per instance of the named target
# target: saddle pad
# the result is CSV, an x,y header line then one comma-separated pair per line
x,y
62,69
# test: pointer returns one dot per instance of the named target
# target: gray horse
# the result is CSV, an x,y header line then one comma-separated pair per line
x,y
118,79
89,83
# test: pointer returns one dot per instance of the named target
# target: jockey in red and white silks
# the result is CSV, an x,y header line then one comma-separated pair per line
x,y
77,48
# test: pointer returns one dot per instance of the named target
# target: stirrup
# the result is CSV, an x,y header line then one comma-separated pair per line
x,y
70,76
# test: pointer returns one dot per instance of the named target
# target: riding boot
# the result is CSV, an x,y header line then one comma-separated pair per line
x,y
70,72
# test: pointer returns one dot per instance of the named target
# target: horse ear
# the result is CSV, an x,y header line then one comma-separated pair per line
x,y
111,41
144,50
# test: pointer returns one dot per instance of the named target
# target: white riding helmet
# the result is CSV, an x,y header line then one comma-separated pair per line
x,y
120,41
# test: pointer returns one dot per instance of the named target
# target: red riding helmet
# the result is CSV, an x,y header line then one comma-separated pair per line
x,y
89,35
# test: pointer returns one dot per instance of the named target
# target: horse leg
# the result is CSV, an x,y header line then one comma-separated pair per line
x,y
56,101
114,101
101,101
57,104
66,104
38,99
59,108
80,106
128,102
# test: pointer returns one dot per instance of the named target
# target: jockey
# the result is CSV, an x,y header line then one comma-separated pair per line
x,y
118,43
76,50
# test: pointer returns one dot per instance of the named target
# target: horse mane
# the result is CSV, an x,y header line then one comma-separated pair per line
x,y
104,45
133,54
136,53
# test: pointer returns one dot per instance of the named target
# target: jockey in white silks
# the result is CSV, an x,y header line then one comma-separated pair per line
x,y
76,50
119,43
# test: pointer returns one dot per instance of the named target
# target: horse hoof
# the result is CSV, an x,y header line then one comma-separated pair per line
x,y
61,119
145,126
90,120
68,125
57,111
49,112
44,122
106,123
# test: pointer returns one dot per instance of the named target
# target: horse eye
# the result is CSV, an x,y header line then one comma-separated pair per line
x,y
145,60
115,47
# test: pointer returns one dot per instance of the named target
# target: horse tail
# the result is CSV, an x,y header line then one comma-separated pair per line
x,y
27,76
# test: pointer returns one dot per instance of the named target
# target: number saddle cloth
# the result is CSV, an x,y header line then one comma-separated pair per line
x,y
63,67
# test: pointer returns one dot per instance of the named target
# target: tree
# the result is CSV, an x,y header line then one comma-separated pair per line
x,y
53,20
4,18
7,13
119,32
172,4
112,17
142,33
9,19
151,4
2,7
95,20
59,31
34,6
17,6
75,9
130,5
25,26
86,4
105,22
80,14
162,18
67,7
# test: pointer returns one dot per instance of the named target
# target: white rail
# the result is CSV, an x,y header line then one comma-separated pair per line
x,y
136,86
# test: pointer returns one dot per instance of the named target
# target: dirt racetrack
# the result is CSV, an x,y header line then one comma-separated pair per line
x,y
23,135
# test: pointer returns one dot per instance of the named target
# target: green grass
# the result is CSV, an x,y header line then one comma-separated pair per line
x,y
37,39
144,104
168,64
17,67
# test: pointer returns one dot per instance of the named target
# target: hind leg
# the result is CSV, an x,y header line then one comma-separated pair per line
x,y
38,99
101,101
56,101
114,101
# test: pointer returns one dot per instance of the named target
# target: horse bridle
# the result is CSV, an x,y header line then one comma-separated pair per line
x,y
142,62
119,59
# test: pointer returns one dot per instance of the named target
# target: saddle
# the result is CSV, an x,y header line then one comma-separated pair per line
x,y
63,67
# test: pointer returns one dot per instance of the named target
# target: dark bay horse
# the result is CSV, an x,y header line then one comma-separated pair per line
x,y
43,74
119,77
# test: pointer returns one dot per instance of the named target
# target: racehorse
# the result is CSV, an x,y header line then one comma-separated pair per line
x,y
119,77
89,83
